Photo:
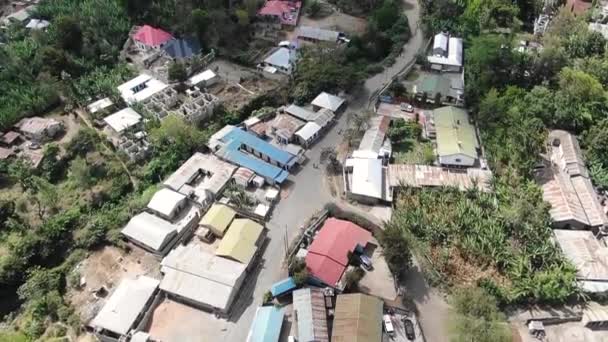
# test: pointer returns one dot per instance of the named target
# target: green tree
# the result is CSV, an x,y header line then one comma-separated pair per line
x,y
178,72
80,172
314,8
478,318
69,33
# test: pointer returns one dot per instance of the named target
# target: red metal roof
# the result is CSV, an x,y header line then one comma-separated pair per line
x,y
327,256
152,36
287,11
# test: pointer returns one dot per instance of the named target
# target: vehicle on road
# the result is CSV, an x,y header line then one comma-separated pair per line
x,y
388,325
366,262
406,107
409,329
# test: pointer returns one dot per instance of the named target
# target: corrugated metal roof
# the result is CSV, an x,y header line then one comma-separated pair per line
x,y
566,184
310,315
357,318
301,112
218,218
266,326
587,254
150,230
122,309
455,135
433,176
441,41
198,275
256,165
374,136
239,243
183,48
281,57
318,33
240,137
327,256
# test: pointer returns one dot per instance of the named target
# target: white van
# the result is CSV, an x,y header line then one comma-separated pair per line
x,y
388,325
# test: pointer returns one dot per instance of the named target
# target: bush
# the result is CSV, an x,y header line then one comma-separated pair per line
x,y
301,277
352,279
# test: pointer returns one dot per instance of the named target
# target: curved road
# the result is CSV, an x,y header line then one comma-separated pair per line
x,y
306,195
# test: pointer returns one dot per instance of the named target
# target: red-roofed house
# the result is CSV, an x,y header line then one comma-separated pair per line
x,y
327,256
578,7
284,12
148,37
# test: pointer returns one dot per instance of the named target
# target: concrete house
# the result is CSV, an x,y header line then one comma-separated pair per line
x,y
39,129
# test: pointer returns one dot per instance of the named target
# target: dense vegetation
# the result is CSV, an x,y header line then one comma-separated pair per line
x,y
321,69
500,241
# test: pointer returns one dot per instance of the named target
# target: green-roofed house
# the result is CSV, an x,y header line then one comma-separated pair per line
x,y
217,219
449,87
457,143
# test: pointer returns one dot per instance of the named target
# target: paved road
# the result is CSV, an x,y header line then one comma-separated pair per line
x,y
307,195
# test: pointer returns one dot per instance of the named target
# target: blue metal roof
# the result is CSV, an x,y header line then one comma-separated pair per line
x,y
260,167
183,48
282,287
273,152
266,326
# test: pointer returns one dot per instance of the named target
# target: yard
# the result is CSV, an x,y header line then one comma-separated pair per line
x,y
412,151
105,268
173,321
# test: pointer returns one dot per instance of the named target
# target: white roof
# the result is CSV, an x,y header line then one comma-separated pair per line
x,y
37,24
123,119
272,193
366,177
99,105
281,57
140,88
261,209
123,307
328,101
140,336
301,112
201,174
150,230
165,201
203,76
440,41
193,273
308,130
454,57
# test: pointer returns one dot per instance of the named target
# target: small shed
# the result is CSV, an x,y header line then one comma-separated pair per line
x,y
266,326
283,287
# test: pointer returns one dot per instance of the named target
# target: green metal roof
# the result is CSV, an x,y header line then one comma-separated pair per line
x,y
454,132
433,84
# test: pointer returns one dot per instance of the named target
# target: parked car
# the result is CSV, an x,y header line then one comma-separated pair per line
x,y
407,107
366,262
409,329
388,325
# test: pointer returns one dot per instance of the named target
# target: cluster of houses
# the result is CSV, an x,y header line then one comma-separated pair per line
x,y
207,246
27,137
578,216
318,314
370,178
22,14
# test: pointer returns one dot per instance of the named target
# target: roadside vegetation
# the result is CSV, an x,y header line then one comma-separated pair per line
x,y
499,242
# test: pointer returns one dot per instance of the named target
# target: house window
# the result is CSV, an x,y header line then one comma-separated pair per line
x,y
458,160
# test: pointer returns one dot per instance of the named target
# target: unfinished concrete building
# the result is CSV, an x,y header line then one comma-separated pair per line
x,y
193,106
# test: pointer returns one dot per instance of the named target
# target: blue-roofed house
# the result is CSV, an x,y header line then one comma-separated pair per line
x,y
283,287
266,326
247,150
184,48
